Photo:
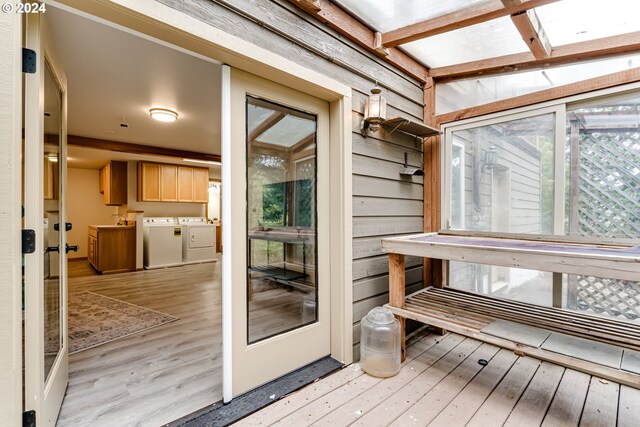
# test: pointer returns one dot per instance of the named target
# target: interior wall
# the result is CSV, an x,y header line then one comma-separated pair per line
x,y
85,206
156,208
383,203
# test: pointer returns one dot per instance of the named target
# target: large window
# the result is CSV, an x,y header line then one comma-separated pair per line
x,y
563,170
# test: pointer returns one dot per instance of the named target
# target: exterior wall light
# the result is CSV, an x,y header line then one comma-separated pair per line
x,y
375,111
163,115
490,158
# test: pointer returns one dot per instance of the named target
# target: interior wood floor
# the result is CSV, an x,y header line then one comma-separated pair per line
x,y
442,384
155,376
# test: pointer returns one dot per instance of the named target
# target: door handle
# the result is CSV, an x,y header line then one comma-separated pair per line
x,y
52,249
67,226
71,248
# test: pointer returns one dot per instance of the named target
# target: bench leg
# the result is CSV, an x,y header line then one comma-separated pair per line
x,y
397,294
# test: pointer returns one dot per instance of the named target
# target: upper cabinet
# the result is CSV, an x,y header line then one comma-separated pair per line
x,y
168,183
113,183
200,185
158,182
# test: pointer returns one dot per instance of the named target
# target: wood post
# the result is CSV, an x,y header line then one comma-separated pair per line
x,y
397,294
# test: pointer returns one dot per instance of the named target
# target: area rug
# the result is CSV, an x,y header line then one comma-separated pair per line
x,y
96,319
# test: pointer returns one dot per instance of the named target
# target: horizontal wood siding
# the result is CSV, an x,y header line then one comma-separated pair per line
x,y
384,204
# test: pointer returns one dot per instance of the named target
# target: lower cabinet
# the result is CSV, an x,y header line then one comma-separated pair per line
x,y
112,249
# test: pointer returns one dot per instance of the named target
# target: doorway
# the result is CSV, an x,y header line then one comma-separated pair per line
x,y
336,323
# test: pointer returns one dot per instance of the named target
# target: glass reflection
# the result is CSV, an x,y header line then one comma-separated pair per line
x,y
51,236
281,219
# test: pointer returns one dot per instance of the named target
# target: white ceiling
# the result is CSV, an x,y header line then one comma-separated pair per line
x,y
112,75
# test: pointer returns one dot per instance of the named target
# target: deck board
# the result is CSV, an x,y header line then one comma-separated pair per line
x,y
350,411
629,407
601,406
568,402
431,404
451,389
467,402
497,407
396,404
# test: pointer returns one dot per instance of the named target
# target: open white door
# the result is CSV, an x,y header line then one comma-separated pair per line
x,y
45,317
276,270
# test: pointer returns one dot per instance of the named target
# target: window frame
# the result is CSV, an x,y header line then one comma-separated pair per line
x,y
559,107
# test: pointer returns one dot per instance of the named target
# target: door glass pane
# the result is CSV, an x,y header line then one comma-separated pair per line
x,y
281,219
52,197
603,197
502,180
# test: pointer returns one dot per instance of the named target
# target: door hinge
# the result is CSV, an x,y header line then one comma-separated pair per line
x,y
29,419
28,241
28,60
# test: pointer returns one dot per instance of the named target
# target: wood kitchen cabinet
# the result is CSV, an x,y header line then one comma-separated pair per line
x,y
185,184
200,185
112,248
158,182
114,183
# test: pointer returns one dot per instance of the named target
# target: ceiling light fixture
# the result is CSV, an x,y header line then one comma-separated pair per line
x,y
163,115
206,162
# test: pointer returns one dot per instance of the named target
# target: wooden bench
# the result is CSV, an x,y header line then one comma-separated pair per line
x,y
467,313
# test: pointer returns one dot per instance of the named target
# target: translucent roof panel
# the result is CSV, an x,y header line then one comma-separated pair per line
x,y
572,21
461,94
486,40
288,131
387,15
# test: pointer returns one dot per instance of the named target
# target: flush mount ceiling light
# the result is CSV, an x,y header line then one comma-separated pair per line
x,y
163,115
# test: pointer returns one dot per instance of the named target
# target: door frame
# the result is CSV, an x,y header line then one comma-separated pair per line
x,y
150,18
274,349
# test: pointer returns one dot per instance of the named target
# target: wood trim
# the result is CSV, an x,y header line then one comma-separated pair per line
x,y
530,28
455,20
268,123
570,53
603,82
338,19
126,147
432,272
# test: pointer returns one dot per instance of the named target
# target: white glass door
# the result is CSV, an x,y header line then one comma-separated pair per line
x,y
278,275
45,284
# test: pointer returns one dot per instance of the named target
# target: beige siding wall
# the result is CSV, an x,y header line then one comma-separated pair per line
x,y
383,203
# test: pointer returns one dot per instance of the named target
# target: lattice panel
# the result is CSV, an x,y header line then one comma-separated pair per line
x,y
610,184
616,298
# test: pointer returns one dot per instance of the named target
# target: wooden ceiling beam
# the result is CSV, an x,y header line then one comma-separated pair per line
x,y
610,80
455,20
530,28
267,124
570,53
338,19
126,147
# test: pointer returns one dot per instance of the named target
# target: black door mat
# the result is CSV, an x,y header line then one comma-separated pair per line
x,y
219,414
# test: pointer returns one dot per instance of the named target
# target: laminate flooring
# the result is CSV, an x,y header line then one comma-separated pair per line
x,y
158,375
441,383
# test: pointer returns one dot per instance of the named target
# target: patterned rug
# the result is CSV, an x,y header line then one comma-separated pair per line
x,y
96,319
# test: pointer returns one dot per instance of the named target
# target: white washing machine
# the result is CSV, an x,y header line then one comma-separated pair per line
x,y
198,240
162,242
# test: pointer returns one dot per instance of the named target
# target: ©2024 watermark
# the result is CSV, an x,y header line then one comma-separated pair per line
x,y
33,7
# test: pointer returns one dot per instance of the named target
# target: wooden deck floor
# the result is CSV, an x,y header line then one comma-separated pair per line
x,y
442,384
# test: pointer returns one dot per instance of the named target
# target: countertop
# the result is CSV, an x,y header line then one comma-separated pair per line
x,y
98,227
